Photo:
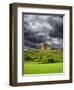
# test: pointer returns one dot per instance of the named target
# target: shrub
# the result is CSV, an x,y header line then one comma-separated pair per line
x,y
43,56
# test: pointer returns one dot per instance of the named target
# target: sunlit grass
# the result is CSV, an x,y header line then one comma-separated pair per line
x,y
35,68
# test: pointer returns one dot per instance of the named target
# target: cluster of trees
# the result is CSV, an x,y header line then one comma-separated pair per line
x,y
43,56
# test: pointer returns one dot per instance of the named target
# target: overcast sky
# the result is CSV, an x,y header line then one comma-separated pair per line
x,y
43,28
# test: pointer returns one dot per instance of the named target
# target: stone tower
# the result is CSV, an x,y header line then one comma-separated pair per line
x,y
44,46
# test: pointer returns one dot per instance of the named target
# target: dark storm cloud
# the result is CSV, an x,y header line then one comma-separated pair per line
x,y
43,28
58,28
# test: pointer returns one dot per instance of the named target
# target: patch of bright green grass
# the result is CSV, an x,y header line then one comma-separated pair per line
x,y
35,68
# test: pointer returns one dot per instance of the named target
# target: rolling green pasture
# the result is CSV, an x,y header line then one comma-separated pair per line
x,y
35,68
43,61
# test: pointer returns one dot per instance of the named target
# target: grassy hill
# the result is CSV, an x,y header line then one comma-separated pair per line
x,y
43,56
43,61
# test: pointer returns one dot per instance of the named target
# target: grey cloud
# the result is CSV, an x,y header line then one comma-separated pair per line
x,y
42,28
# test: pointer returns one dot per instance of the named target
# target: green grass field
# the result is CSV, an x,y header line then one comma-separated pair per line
x,y
35,68
37,61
